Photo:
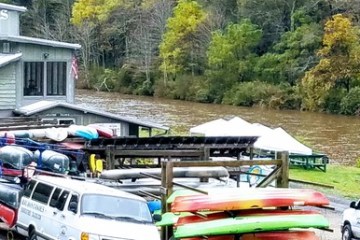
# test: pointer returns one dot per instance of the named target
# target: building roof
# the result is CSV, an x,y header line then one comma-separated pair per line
x,y
8,58
45,105
12,7
39,41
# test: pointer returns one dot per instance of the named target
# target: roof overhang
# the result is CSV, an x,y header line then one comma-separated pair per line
x,y
39,41
40,106
12,7
8,58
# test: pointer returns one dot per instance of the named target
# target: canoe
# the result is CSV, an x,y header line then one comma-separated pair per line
x,y
279,235
52,161
253,212
85,132
178,172
252,198
251,224
15,157
7,215
102,130
56,134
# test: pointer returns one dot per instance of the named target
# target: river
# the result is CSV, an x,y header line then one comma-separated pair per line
x,y
335,135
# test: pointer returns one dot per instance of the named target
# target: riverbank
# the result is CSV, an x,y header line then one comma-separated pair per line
x,y
345,180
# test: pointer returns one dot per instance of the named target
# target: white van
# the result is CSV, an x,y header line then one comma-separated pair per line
x,y
66,209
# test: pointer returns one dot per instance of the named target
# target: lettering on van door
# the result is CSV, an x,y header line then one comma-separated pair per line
x,y
32,205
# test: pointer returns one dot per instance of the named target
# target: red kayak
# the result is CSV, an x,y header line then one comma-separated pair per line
x,y
249,199
7,215
286,235
220,215
102,131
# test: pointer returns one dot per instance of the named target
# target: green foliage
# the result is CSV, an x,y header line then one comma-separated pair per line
x,y
256,93
358,163
230,56
177,41
350,104
332,101
94,10
294,54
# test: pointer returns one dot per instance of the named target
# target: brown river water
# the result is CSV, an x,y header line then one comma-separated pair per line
x,y
335,135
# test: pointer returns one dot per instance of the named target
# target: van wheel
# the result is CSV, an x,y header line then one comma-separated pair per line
x,y
347,234
33,235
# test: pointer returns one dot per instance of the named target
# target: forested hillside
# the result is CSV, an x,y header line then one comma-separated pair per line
x,y
286,54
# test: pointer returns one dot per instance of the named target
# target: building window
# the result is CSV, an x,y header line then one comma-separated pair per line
x,y
34,78
6,47
53,72
56,78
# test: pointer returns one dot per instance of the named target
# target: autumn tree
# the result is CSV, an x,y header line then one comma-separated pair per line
x,y
339,62
178,46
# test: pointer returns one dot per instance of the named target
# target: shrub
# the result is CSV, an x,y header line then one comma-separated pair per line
x,y
358,163
333,100
350,104
256,93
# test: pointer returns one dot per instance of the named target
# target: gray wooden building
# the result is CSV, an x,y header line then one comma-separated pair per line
x,y
31,69
37,79
66,113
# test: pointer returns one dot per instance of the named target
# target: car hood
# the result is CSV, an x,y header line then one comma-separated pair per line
x,y
119,229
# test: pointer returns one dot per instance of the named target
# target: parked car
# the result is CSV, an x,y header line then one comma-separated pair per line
x,y
63,208
350,227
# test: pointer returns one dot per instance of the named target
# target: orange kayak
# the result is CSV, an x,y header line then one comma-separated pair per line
x,y
249,199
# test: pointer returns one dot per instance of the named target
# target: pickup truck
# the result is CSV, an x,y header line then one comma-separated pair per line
x,y
350,227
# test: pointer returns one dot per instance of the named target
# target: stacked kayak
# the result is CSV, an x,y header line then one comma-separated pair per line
x,y
85,132
52,161
10,195
245,214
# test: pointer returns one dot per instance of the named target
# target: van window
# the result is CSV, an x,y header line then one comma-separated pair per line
x,y
42,192
55,197
73,199
122,209
62,200
29,187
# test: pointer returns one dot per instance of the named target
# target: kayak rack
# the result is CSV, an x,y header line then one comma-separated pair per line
x,y
167,147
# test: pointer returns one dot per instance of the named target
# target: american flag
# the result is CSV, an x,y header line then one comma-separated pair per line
x,y
74,67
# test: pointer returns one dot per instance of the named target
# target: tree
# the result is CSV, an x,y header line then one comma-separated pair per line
x,y
230,56
178,41
292,56
339,63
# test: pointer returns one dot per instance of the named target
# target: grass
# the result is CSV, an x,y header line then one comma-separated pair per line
x,y
346,180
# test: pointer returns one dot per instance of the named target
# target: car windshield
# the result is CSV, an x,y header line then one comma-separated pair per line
x,y
118,208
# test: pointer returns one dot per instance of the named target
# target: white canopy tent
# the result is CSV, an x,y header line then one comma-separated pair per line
x,y
280,140
205,127
269,139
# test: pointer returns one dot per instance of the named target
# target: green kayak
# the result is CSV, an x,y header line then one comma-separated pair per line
x,y
169,218
249,224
